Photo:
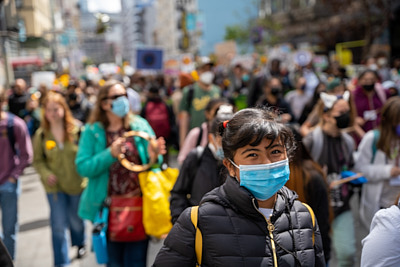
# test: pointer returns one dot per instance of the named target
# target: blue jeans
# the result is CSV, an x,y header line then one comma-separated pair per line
x,y
343,239
63,216
127,254
9,193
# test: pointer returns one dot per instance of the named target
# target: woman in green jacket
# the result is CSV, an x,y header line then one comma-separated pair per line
x,y
100,144
55,147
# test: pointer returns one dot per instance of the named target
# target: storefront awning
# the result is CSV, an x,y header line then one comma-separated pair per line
x,y
28,60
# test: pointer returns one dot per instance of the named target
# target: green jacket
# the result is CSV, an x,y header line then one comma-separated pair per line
x,y
49,159
94,160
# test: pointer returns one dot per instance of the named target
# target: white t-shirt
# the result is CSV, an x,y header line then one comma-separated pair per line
x,y
266,212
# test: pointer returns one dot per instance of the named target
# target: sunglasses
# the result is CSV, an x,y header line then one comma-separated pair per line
x,y
113,97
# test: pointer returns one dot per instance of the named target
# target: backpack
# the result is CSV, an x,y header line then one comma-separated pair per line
x,y
199,156
157,114
10,132
318,139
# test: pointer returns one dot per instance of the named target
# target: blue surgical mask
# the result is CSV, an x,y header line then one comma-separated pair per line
x,y
245,77
220,153
264,180
120,106
217,151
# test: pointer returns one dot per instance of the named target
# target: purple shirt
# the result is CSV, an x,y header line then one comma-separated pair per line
x,y
367,107
12,165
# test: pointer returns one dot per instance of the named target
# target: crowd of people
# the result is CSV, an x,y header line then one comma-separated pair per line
x,y
265,153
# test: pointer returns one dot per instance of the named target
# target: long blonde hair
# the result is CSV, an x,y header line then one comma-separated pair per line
x,y
68,120
99,114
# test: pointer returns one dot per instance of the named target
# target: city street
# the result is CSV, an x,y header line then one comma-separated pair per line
x,y
34,238
282,98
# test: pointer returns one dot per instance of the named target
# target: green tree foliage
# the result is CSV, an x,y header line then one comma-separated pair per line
x,y
256,32
364,19
238,33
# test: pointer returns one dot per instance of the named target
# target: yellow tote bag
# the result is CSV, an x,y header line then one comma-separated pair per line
x,y
156,186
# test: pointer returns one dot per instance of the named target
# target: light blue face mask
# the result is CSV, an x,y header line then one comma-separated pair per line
x,y
216,149
120,106
264,180
220,153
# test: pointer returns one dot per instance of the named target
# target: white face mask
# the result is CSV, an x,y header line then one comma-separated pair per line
x,y
373,67
382,61
206,77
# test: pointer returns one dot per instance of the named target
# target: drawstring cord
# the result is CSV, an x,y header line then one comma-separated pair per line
x,y
294,254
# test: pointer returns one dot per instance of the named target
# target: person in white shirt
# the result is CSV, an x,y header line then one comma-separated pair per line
x,y
382,246
378,158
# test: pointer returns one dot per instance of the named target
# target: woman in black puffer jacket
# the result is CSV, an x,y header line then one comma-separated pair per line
x,y
251,220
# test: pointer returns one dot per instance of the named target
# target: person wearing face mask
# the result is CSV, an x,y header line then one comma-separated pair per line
x,y
333,149
379,161
273,97
297,98
199,136
369,97
100,144
195,99
200,171
252,219
238,80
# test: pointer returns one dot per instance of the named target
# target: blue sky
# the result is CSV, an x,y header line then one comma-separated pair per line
x,y
217,14
220,13
104,6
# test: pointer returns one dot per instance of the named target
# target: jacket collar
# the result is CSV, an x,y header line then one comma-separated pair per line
x,y
244,202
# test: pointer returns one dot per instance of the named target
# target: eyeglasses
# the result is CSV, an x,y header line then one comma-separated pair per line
x,y
113,97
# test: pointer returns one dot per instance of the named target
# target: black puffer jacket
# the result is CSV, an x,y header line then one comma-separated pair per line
x,y
235,233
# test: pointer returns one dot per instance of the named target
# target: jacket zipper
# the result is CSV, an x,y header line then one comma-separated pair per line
x,y
271,228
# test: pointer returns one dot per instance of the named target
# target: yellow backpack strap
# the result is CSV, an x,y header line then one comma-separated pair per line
x,y
198,238
313,221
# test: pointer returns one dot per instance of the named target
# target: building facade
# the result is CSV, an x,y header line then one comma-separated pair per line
x,y
165,24
323,24
99,47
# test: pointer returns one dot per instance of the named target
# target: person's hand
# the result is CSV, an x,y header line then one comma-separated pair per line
x,y
51,180
359,121
118,147
395,171
285,117
12,180
161,148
